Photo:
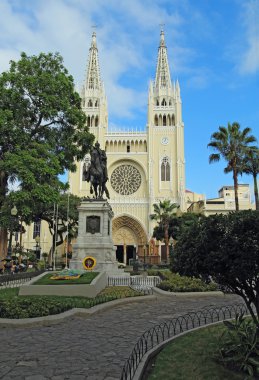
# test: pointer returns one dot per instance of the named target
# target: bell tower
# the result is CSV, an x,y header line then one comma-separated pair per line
x,y
165,134
93,96
94,104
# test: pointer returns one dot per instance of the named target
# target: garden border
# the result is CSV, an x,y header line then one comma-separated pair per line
x,y
153,339
56,318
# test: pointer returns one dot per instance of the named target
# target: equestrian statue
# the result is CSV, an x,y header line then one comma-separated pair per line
x,y
97,173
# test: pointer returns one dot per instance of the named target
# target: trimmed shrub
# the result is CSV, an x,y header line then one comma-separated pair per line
x,y
176,283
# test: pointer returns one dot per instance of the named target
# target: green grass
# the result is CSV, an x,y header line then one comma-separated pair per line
x,y
86,278
16,307
192,356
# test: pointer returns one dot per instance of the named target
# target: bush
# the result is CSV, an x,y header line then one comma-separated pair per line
x,y
16,307
239,346
176,283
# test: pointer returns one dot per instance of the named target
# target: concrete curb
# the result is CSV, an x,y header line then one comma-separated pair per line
x,y
56,318
155,351
186,294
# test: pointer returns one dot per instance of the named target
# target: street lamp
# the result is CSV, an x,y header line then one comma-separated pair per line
x,y
8,259
37,248
171,242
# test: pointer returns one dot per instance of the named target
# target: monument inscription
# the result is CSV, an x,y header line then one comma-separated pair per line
x,y
93,224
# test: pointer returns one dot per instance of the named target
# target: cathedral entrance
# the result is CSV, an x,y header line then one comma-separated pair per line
x,y
129,236
119,253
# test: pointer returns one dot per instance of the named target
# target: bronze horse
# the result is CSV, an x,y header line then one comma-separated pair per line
x,y
97,173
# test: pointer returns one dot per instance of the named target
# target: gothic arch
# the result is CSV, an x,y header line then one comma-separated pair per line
x,y
164,120
128,230
160,120
96,121
90,103
163,102
156,120
173,119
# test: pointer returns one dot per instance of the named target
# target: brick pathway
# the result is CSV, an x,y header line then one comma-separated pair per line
x,y
93,347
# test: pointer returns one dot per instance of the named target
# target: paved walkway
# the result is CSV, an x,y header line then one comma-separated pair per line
x,y
94,347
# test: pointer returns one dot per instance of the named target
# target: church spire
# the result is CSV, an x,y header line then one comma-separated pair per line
x,y
163,79
93,78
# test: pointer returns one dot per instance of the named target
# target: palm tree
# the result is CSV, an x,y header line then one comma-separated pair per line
x,y
232,143
163,212
251,166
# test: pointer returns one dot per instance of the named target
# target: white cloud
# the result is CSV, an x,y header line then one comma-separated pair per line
x,y
249,60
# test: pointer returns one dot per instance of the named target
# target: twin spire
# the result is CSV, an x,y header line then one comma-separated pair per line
x,y
163,78
93,78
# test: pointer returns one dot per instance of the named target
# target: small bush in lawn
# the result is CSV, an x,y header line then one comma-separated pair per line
x,y
239,346
177,283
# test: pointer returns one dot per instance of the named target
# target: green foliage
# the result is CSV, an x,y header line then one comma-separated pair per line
x,y
43,130
239,345
16,307
176,283
192,356
86,278
226,249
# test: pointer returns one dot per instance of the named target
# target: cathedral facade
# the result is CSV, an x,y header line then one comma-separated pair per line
x,y
143,167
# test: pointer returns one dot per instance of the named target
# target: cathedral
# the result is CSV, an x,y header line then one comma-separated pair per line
x,y
144,167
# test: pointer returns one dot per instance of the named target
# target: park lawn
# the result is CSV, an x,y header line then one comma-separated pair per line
x,y
86,278
192,356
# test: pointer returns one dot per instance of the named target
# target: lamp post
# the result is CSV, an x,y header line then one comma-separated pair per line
x,y
8,259
171,242
37,249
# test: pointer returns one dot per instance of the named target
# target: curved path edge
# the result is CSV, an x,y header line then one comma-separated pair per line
x,y
187,294
56,318
154,351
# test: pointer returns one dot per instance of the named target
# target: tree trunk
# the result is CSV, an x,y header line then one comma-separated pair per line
x,y
256,192
235,186
3,243
166,237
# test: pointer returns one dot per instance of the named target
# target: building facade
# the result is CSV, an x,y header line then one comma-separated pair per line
x,y
144,167
225,202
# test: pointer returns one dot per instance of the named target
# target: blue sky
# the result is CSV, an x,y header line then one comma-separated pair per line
x,y
213,49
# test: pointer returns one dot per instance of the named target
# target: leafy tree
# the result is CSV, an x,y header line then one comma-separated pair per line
x,y
177,225
43,130
226,249
59,231
250,165
163,212
232,143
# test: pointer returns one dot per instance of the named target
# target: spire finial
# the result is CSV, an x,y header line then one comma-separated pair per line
x,y
94,35
162,35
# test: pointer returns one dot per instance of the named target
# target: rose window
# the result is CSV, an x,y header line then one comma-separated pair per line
x,y
125,179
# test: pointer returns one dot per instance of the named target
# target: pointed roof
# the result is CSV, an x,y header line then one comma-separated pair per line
x,y
163,78
93,78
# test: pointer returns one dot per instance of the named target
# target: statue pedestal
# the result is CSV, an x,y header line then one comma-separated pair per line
x,y
95,237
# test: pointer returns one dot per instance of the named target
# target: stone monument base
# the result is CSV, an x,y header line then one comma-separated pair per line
x,y
95,237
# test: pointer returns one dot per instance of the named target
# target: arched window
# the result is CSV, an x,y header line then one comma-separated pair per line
x,y
96,121
36,228
170,102
164,120
157,102
96,103
165,169
163,102
156,120
160,120
168,120
173,120
90,103
88,121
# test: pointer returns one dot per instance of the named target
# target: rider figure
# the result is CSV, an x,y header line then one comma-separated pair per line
x,y
98,158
